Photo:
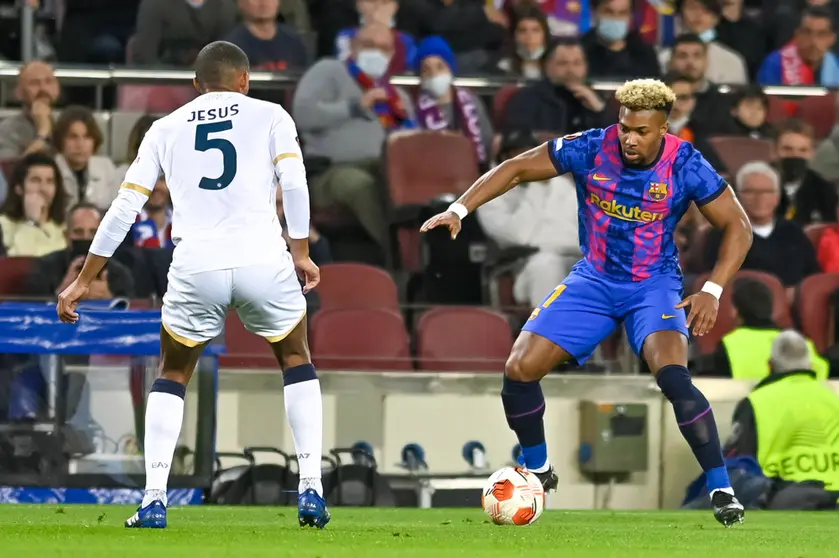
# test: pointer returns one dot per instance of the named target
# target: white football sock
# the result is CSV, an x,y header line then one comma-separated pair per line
x,y
304,409
164,416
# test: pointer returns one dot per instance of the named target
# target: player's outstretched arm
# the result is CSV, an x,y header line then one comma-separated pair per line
x,y
140,180
531,166
726,214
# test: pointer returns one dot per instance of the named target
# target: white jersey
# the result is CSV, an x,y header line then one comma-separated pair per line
x,y
219,155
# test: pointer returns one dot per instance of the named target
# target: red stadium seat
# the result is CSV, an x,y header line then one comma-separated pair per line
x,y
725,316
736,151
463,339
244,349
815,232
154,99
814,308
780,109
500,102
348,285
422,165
13,275
360,340
819,112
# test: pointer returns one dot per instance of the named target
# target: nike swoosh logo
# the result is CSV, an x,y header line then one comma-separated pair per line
x,y
600,177
667,316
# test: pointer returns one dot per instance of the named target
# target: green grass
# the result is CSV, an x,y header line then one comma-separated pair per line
x,y
210,532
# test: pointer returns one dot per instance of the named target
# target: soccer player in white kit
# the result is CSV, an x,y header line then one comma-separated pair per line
x,y
222,156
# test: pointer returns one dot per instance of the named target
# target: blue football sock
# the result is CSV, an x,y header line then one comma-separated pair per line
x,y
696,422
524,406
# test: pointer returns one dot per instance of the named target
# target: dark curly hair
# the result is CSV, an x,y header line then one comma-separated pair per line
x,y
13,206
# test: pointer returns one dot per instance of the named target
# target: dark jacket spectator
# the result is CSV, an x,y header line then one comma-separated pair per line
x,y
562,102
742,34
749,111
613,50
269,45
173,31
54,272
689,58
474,29
96,31
806,197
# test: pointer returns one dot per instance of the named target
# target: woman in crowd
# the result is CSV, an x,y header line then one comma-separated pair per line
x,y
529,41
87,177
32,217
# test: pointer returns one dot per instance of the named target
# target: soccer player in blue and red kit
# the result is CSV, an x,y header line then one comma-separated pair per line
x,y
634,183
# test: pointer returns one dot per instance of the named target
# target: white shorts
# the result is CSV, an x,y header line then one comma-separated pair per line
x,y
267,297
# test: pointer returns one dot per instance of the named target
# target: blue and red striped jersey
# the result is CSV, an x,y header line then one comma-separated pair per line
x,y
628,215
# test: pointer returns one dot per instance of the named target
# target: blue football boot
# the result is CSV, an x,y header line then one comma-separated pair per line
x,y
152,516
311,509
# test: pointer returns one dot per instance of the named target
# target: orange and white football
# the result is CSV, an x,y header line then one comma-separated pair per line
x,y
513,496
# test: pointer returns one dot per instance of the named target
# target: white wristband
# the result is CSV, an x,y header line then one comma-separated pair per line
x,y
712,289
459,209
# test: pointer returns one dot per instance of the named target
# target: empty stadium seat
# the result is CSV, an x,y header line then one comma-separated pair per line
x,y
500,102
815,313
780,109
820,112
360,340
154,98
245,349
13,275
736,151
422,165
349,285
725,316
463,339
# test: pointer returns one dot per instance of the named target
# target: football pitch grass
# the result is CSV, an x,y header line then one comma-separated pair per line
x,y
210,532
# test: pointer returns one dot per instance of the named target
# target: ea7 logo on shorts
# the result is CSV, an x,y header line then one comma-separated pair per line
x,y
159,465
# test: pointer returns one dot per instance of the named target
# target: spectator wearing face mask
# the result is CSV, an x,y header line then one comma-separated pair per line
x,y
613,50
53,272
562,102
806,197
442,106
529,42
382,12
344,112
806,60
700,17
32,217
748,114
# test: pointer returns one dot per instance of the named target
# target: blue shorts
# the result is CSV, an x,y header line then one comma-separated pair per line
x,y
587,307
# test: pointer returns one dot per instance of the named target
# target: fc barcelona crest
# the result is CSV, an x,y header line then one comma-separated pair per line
x,y
658,191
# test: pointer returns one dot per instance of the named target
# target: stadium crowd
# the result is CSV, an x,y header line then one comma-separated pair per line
x,y
380,156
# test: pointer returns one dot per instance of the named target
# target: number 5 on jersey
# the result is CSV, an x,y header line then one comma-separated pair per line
x,y
203,142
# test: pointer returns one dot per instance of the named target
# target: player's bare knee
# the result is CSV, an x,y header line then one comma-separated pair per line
x,y
519,369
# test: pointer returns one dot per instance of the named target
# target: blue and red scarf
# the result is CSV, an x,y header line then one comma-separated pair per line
x,y
391,113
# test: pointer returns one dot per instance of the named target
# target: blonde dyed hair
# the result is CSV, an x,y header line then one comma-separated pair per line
x,y
645,94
